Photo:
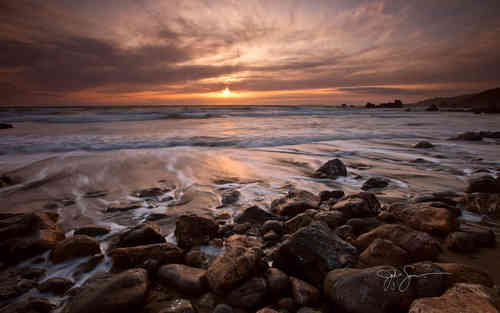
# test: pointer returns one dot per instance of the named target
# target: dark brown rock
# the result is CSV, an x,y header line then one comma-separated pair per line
x,y
469,136
230,197
461,242
163,253
484,184
296,223
188,280
223,308
251,294
304,293
332,218
461,273
254,215
363,225
424,145
331,195
278,282
177,306
295,202
144,234
197,258
194,230
241,228
273,225
287,304
363,204
331,169
483,203
384,252
375,182
74,247
92,230
56,285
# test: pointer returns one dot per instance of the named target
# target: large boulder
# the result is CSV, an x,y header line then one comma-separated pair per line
x,y
195,230
484,184
384,252
144,234
331,169
375,183
427,218
483,203
313,251
56,285
239,261
304,293
419,245
277,282
74,247
296,223
363,204
188,280
254,215
131,257
462,298
461,273
332,218
382,289
461,242
25,235
106,293
251,294
295,202
363,225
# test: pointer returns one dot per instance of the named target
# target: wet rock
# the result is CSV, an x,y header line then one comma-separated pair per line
x,y
56,285
384,252
331,218
331,195
6,181
130,257
363,204
206,303
363,225
461,273
278,282
74,247
88,266
483,203
223,308
424,217
462,298
483,237
469,136
123,207
368,290
273,225
307,309
254,215
156,217
197,258
30,305
295,202
287,304
432,108
423,145
24,285
251,294
267,310
143,234
106,293
5,126
313,251
188,280
345,232
331,169
238,262
304,293
419,245
25,235
387,217
484,184
225,231
461,242
230,197
241,228
33,273
296,223
92,230
375,182
178,306
194,230
154,192
271,236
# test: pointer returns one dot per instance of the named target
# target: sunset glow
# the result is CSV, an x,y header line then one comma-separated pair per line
x,y
226,92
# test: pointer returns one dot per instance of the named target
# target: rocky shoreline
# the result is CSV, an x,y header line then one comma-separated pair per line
x,y
325,252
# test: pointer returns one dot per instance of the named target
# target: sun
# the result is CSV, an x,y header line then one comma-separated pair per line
x,y
226,92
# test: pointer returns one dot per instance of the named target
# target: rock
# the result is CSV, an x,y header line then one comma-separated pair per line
x,y
363,225
271,236
250,295
331,218
153,192
56,285
144,234
254,215
25,235
487,134
223,308
373,290
273,225
33,273
461,273
483,237
331,169
483,203
194,230
178,306
206,303
188,280
74,247
363,204
423,145
230,197
237,263
375,182
304,293
196,258
387,217
267,310
88,266
345,232
462,298
30,305
313,251
123,207
419,245
287,304
306,309
484,184
384,252
295,202
327,195
432,108
5,126
106,293
278,282
130,257
469,136
461,242
299,221
241,228
92,230
424,217
6,181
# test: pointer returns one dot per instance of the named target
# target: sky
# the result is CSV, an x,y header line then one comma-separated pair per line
x,y
290,52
